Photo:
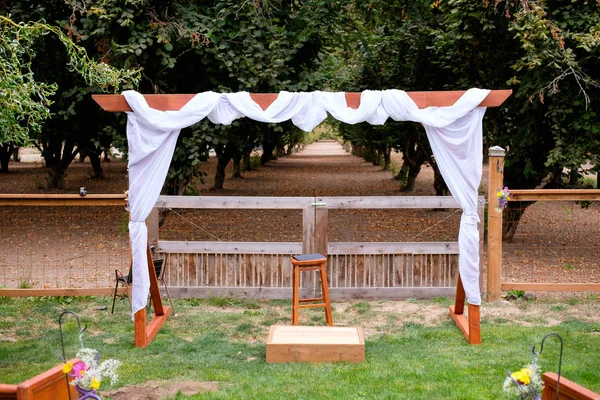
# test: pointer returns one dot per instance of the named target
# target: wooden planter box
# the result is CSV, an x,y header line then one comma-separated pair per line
x,y
568,390
49,385
315,344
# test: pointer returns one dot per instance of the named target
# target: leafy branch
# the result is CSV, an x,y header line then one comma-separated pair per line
x,y
23,100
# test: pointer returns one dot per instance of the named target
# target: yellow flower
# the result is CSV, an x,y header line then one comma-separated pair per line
x,y
67,367
95,383
499,194
522,376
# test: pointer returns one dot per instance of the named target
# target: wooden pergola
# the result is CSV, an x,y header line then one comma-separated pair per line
x,y
145,333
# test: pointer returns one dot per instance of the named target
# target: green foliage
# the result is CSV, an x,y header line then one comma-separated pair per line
x,y
360,308
24,100
517,293
25,285
194,46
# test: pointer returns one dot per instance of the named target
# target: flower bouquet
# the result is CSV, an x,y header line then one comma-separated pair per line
x,y
525,384
503,198
88,373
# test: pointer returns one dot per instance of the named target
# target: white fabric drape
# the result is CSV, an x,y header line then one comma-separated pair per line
x,y
455,134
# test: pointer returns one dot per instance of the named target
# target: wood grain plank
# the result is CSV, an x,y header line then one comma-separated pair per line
x,y
552,287
164,102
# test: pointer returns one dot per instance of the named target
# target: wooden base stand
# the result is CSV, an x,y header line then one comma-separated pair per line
x,y
144,334
315,344
470,327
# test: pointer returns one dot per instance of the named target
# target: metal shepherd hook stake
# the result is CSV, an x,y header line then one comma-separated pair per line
x,y
62,340
535,357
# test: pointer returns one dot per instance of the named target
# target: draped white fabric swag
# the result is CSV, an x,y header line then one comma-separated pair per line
x,y
454,132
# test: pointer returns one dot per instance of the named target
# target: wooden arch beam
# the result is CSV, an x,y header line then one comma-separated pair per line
x,y
174,102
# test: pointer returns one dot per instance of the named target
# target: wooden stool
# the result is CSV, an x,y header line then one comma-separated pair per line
x,y
310,262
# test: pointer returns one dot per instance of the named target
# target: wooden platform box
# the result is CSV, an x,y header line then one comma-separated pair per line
x,y
315,344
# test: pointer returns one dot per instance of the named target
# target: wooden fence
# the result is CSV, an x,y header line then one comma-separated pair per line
x,y
263,269
50,243
254,269
494,248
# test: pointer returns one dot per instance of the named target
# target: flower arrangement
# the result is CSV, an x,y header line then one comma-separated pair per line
x,y
503,198
88,373
525,384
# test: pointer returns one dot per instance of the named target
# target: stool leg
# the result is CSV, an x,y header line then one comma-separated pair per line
x,y
295,294
325,290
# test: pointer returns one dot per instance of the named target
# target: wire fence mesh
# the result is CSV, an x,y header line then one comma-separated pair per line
x,y
555,242
80,247
285,225
62,247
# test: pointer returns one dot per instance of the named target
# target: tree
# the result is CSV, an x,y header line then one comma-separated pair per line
x,y
547,52
194,46
26,97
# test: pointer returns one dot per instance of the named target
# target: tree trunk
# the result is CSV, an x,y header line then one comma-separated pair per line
x,y
573,178
267,154
387,158
411,180
402,175
51,151
441,189
237,171
368,154
247,160
511,217
58,173
96,165
413,158
16,157
6,150
280,152
376,156
223,158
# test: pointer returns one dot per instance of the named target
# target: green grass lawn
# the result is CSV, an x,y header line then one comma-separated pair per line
x,y
408,356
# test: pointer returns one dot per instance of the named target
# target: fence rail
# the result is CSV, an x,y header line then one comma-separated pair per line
x,y
263,269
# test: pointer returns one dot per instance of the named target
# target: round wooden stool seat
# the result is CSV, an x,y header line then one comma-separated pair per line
x,y
310,262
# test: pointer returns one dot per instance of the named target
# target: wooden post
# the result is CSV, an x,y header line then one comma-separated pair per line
x,y
152,224
494,248
308,230
144,334
481,228
321,216
470,327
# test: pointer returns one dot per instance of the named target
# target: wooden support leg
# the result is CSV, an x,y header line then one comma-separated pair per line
x,y
325,294
295,294
474,325
139,323
470,327
145,334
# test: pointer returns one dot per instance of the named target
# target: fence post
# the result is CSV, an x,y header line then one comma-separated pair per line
x,y
308,230
321,217
494,247
152,225
481,228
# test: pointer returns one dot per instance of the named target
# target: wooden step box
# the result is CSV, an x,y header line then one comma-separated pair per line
x,y
315,344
